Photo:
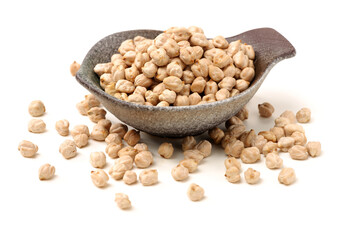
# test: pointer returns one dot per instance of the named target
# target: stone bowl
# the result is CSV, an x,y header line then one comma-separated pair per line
x,y
270,48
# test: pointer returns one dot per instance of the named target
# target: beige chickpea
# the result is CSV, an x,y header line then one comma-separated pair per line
x,y
125,86
247,74
132,137
46,172
227,83
27,149
198,39
188,55
161,74
74,67
139,61
143,81
216,134
102,68
287,176
129,57
152,97
234,148
234,47
221,60
229,71
106,79
303,115
68,149
174,69
299,138
185,91
130,177
118,71
160,57
242,114
80,129
282,122
240,60
232,162
116,56
198,85
209,98
252,176
232,174
126,160
188,76
179,33
289,129
285,143
113,137
36,126
173,83
149,69
81,140
248,138
236,130
227,141
99,178
241,85
313,148
143,159
278,131
194,98
250,155
269,147
290,115
131,73
233,121
194,29
163,104
123,201
127,45
119,128
205,147
234,92
158,89
98,159
179,173
112,149
139,147
166,150
136,98
82,108
140,90
151,48
198,51
215,73
168,96
160,40
265,109
249,51
193,154
211,87
36,108
200,68
105,123
195,192
298,152
148,177
96,113
260,142
172,48
111,89
62,127
117,171
220,42
178,61
142,46
188,143
268,135
190,164
222,94
273,160
99,133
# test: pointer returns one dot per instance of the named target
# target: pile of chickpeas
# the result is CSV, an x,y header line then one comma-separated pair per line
x,y
180,67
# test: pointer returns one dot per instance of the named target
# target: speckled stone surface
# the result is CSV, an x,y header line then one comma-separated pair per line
x,y
270,48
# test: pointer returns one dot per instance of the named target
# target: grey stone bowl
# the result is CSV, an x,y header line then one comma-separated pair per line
x,y
270,48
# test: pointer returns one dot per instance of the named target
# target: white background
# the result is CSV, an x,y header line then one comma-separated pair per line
x,y
39,40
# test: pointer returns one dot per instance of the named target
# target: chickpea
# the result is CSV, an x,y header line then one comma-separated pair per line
x,y
136,98
234,148
152,97
129,57
143,81
185,91
130,177
160,40
105,123
273,160
102,68
118,72
195,192
188,143
216,134
248,138
240,60
160,57
161,74
122,201
303,115
125,86
220,42
236,130
183,44
234,92
127,45
232,174
198,39
194,154
234,47
205,147
249,51
163,104
229,71
68,149
314,148
282,122
208,98
119,128
269,147
112,149
285,143
179,33
287,176
215,73
148,177
149,69
121,96
227,141
36,108
132,137
299,138
221,59
242,114
131,73
241,85
140,90
198,85
117,171
115,57
80,129
190,164
74,67
194,98
139,147
106,79
36,126
250,155
166,150
179,173
95,114
227,83
99,178
81,140
172,48
222,94
268,135
111,89
247,74
290,115
46,172
289,129
260,142
278,131
188,55
188,76
173,83
252,176
89,102
298,152
265,109
143,159
159,88
211,87
62,127
99,133
233,121
174,69
232,162
168,96
27,149
98,159
126,160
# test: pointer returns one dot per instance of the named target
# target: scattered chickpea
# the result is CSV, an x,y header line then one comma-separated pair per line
x,y
269,147
132,137
62,127
303,115
313,148
273,160
117,171
232,174
289,129
36,108
122,201
46,172
99,133
290,115
126,160
74,67
242,114
205,147
278,131
298,152
194,154
166,150
195,192
128,150
95,114
216,134
143,159
287,176
190,164
80,129
188,143
248,138
232,162
285,143
250,155
68,149
233,121
99,178
179,173
148,177
113,137
105,123
36,126
265,109
81,140
27,149
268,135
260,142
234,148
98,159
112,149
119,128
282,122
299,138
236,130
252,176
139,147
130,177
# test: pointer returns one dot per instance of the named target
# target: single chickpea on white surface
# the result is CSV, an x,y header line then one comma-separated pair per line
x,y
99,178
148,177
46,172
166,150
36,108
195,192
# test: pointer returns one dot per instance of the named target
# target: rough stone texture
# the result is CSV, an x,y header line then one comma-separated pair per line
x,y
270,48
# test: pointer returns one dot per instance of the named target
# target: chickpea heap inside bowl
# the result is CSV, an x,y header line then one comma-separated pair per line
x,y
180,67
